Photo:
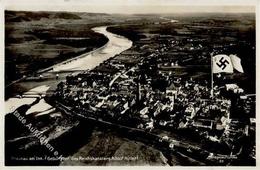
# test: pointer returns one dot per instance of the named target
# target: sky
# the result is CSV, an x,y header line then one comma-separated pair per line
x,y
133,6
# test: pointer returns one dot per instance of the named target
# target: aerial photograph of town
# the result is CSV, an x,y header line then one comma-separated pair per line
x,y
170,88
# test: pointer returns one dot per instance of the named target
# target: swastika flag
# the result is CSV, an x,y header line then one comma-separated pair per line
x,y
222,63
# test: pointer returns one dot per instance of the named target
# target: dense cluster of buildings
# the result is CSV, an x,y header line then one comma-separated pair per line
x,y
148,92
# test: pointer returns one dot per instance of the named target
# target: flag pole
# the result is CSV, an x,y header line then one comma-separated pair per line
x,y
211,60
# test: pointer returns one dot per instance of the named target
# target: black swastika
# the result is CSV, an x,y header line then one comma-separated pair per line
x,y
222,63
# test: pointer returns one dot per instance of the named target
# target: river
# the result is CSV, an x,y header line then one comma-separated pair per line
x,y
115,45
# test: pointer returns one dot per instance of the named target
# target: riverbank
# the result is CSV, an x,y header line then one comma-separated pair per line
x,y
46,38
115,45
72,59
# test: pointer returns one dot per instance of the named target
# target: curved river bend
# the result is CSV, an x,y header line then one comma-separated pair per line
x,y
115,45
